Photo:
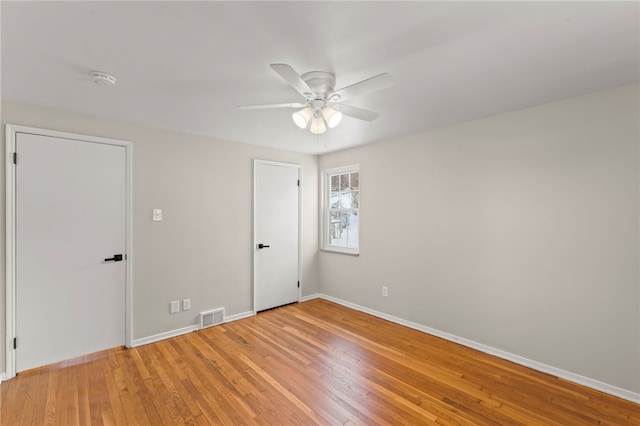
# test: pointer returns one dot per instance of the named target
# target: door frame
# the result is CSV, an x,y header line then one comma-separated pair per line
x,y
256,163
10,231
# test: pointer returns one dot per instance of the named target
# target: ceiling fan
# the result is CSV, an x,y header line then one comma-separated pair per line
x,y
323,104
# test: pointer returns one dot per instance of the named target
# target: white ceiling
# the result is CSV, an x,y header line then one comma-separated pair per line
x,y
187,65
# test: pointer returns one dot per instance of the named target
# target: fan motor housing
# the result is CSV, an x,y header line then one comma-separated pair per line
x,y
321,82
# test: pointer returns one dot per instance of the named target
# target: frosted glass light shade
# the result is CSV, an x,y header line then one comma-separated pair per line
x,y
317,126
302,117
332,117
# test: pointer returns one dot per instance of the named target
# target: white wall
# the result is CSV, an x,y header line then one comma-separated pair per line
x,y
203,248
518,231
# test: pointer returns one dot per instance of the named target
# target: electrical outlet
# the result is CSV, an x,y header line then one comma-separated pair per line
x,y
157,215
175,307
385,291
186,304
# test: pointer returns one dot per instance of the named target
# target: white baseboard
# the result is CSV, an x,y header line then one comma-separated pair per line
x,y
185,330
239,316
544,368
163,336
3,377
310,297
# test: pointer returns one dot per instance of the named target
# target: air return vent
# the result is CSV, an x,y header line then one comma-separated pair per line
x,y
212,317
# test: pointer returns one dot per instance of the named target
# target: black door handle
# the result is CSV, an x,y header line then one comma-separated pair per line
x,y
115,258
261,246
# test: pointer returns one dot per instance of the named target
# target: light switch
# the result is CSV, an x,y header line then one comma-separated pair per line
x,y
157,215
174,307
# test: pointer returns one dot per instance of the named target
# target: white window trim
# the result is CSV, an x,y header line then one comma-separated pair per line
x,y
324,206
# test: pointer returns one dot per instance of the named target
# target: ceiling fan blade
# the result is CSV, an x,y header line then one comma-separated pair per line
x,y
354,112
372,84
293,78
289,105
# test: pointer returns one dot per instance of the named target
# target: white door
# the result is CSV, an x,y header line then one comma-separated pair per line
x,y
276,221
70,218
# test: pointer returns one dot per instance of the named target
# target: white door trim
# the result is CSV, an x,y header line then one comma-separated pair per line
x,y
257,162
10,232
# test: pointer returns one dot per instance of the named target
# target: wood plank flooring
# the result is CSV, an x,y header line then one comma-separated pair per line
x,y
309,363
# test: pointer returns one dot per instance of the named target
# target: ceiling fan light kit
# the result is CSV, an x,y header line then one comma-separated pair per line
x,y
331,116
326,117
323,107
302,117
317,126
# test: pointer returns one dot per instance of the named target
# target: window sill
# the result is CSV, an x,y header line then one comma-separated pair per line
x,y
348,253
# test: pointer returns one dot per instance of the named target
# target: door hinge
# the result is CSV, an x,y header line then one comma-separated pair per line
x,y
15,343
298,182
15,158
298,284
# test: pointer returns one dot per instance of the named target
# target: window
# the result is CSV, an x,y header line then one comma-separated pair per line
x,y
341,209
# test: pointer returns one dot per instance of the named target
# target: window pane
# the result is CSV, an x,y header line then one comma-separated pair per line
x,y
355,199
344,181
334,224
334,201
338,224
352,229
355,180
335,179
343,229
345,200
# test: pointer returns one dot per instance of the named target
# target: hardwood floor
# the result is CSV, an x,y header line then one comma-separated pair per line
x,y
309,363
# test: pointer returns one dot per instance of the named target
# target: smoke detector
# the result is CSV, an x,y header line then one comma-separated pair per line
x,y
103,79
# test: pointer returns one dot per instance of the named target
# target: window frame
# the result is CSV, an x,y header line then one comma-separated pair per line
x,y
325,209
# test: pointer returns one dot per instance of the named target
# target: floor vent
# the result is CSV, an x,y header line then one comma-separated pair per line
x,y
213,317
